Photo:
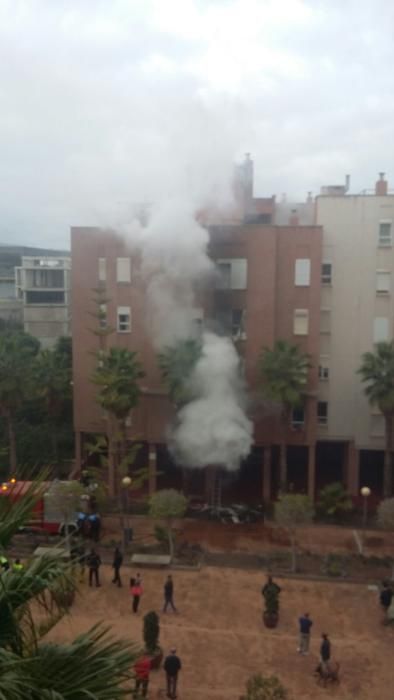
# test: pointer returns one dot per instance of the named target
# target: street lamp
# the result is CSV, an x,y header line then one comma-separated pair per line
x,y
126,483
365,492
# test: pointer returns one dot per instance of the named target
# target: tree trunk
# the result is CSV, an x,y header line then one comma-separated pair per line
x,y
388,467
293,541
282,453
111,467
170,540
12,445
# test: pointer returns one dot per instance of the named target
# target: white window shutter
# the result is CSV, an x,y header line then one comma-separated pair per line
x,y
302,272
380,329
123,272
239,273
383,280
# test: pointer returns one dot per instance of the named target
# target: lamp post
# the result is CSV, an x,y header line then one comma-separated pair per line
x,y
365,491
126,483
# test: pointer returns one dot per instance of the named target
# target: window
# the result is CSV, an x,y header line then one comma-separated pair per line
x,y
45,298
301,322
298,417
302,272
326,273
325,321
102,269
383,280
102,316
233,273
123,272
324,373
380,329
385,233
322,412
48,278
124,319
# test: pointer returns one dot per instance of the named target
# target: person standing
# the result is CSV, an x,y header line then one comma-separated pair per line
x,y
325,650
142,669
305,624
385,597
172,666
117,563
136,591
94,562
169,595
270,586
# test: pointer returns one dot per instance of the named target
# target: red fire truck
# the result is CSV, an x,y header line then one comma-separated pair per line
x,y
47,514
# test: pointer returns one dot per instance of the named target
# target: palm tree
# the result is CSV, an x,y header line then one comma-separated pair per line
x,y
117,378
17,353
53,374
177,363
31,603
377,371
284,374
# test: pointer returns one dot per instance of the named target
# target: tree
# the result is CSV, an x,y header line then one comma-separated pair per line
x,y
177,363
377,372
334,500
284,374
53,376
167,505
293,510
117,378
261,687
17,353
386,518
93,665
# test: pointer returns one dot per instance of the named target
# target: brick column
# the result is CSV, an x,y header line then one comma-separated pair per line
x,y
266,469
152,467
311,471
352,470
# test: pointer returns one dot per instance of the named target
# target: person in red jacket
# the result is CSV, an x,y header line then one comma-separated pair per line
x,y
142,669
136,591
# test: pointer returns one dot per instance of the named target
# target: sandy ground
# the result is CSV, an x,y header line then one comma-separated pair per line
x,y
221,640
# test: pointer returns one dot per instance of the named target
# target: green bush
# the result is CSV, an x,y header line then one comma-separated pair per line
x,y
334,501
271,598
151,631
161,535
261,687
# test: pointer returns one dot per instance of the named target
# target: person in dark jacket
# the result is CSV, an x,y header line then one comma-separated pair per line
x,y
305,624
325,655
172,666
117,563
169,595
94,562
386,596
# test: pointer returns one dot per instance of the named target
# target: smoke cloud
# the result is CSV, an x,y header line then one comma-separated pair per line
x,y
214,428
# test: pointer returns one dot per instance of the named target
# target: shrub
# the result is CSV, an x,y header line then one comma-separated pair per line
x,y
271,597
264,688
334,501
151,631
167,505
293,510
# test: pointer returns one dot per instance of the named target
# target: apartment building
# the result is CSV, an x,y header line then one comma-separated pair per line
x,y
357,311
268,287
43,289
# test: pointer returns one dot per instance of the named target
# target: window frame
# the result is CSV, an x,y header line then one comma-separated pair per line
x,y
328,281
123,311
302,272
123,279
300,314
102,269
322,420
383,274
385,241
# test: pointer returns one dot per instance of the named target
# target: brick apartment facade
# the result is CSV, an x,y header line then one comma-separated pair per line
x,y
268,298
286,272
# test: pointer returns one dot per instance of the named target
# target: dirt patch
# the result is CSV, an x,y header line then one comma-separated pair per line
x,y
221,640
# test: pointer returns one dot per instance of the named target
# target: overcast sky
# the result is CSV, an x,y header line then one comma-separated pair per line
x,y
106,103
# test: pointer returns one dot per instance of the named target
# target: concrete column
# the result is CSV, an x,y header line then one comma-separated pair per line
x,y
352,470
311,471
152,467
266,469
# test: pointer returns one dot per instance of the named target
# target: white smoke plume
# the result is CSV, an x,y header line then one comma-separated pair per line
x,y
214,428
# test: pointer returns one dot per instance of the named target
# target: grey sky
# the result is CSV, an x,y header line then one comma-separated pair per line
x,y
104,103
